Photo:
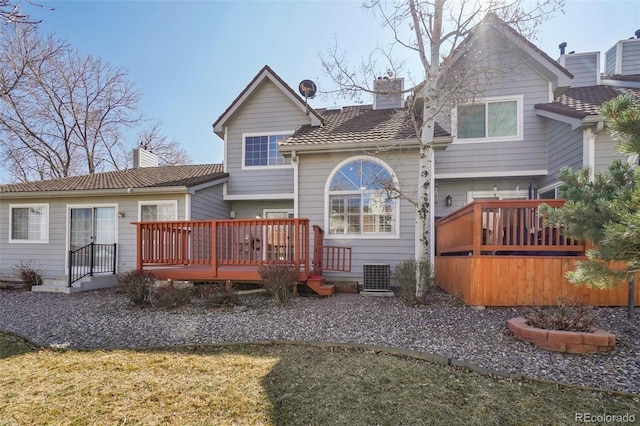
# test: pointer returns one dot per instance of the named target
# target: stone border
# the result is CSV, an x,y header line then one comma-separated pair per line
x,y
575,342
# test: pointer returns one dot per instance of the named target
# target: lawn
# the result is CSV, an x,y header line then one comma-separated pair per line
x,y
272,385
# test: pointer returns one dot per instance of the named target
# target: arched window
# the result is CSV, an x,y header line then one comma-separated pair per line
x,y
360,198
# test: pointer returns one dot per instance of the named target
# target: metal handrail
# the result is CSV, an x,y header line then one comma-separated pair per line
x,y
83,261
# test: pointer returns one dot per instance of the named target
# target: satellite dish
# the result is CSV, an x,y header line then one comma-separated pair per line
x,y
307,88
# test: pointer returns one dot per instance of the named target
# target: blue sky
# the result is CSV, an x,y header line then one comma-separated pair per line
x,y
190,59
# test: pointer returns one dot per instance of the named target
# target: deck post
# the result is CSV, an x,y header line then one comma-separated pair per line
x,y
214,247
477,229
139,246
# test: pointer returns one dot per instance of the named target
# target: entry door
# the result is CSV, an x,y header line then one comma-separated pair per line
x,y
279,245
93,224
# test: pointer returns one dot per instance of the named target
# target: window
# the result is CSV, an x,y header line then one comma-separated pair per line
x,y
29,223
358,202
262,150
491,119
157,211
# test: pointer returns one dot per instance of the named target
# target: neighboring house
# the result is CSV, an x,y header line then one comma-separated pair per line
x,y
42,221
331,165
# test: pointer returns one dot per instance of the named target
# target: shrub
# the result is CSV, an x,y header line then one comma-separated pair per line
x,y
569,315
405,275
218,294
279,279
137,285
169,297
28,275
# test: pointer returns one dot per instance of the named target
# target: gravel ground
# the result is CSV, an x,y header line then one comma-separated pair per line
x,y
106,319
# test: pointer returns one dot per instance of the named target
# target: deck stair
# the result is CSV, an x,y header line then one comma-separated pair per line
x,y
316,283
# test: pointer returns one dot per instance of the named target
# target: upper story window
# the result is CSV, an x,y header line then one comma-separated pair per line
x,y
359,201
261,150
157,211
29,223
490,119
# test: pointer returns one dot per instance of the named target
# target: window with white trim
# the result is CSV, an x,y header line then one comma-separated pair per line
x,y
29,223
158,211
263,150
491,119
359,199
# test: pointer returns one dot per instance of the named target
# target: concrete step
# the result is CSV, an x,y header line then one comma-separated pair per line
x,y
61,285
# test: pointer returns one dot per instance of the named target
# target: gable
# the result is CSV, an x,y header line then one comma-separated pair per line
x,y
494,43
246,96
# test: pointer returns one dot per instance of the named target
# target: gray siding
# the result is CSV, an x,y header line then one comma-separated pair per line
x,y
251,209
268,111
610,60
606,152
50,258
631,57
509,156
584,67
314,172
564,148
208,204
458,189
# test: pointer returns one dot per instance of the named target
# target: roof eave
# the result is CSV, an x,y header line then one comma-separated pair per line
x,y
81,193
576,123
350,146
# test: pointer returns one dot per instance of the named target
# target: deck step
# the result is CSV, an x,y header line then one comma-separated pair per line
x,y
316,283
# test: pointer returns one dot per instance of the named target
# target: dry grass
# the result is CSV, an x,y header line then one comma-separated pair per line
x,y
267,385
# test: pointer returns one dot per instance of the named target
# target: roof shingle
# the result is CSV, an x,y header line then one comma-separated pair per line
x,y
580,102
145,177
355,124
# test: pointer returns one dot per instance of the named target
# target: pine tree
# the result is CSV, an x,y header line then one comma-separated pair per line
x,y
605,208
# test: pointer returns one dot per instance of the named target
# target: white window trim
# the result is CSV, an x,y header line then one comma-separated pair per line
x,y
267,167
362,236
156,203
520,116
46,224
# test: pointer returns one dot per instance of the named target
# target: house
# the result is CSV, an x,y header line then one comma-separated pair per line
x,y
508,141
289,168
42,222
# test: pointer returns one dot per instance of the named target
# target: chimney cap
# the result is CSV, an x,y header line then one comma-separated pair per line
x,y
562,46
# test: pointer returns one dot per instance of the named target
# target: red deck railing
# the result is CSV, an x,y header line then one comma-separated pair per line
x,y
490,227
218,243
329,258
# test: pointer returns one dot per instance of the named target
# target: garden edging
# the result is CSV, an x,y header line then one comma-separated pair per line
x,y
596,340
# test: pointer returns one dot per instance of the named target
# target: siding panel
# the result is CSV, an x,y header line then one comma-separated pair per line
x,y
268,111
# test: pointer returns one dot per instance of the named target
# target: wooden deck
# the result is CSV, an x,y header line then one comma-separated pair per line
x,y
221,250
499,253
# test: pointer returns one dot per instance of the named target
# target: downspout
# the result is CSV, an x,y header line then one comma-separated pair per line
x,y
294,161
589,147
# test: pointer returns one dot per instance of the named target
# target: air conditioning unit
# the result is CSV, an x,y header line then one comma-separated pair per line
x,y
376,277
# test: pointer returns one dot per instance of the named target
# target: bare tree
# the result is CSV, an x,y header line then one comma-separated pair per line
x,y
61,113
169,152
11,12
434,31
